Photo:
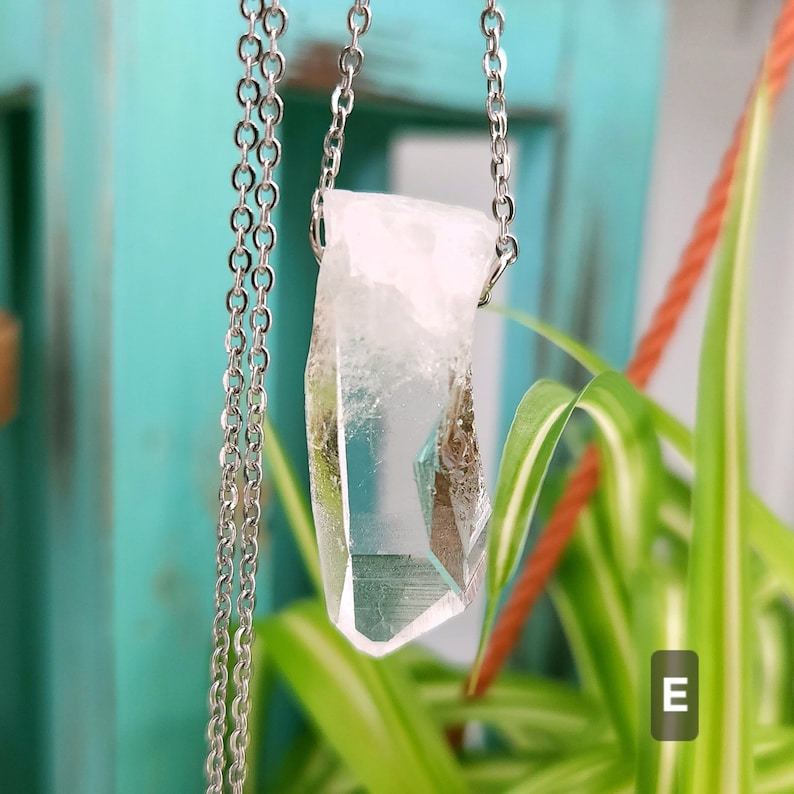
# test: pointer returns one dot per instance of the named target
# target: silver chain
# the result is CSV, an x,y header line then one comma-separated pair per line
x,y
268,151
270,110
351,59
494,65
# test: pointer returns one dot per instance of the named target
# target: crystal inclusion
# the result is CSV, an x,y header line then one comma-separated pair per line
x,y
397,485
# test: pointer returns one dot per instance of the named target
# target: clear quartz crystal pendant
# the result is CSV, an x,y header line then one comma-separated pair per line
x,y
397,484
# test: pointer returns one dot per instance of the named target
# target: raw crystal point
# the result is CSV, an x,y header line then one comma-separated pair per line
x,y
396,479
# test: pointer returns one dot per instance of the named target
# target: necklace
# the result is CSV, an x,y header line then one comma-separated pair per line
x,y
253,228
397,486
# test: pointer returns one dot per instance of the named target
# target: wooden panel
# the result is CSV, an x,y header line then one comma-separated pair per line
x,y
432,55
616,49
22,47
581,187
173,147
533,184
79,264
21,469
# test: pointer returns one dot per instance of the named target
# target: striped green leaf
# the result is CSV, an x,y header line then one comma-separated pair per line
x,y
594,607
601,770
366,709
591,361
528,713
773,622
719,602
494,774
631,452
659,598
313,766
774,761
772,539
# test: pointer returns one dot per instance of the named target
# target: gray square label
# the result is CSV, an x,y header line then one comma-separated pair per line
x,y
674,696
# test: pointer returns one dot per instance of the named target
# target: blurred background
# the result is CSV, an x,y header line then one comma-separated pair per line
x,y
116,146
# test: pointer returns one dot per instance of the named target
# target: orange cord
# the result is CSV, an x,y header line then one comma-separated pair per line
x,y
583,482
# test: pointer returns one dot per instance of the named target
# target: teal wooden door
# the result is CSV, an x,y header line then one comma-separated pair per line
x,y
115,136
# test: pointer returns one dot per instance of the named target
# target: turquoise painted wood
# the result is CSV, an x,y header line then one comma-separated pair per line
x,y
21,521
75,132
410,60
21,54
129,110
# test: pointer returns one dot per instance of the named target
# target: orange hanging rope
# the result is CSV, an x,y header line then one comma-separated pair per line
x,y
544,559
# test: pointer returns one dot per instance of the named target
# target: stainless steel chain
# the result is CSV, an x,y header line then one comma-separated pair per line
x,y
494,65
351,59
270,110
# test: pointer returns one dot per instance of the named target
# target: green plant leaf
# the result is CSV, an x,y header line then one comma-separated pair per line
x,y
630,441
601,770
775,662
494,774
659,598
774,761
772,539
591,361
533,437
293,500
366,709
718,621
529,713
594,609
260,689
313,766
675,509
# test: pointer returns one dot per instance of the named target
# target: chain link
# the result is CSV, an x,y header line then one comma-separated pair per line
x,y
351,59
266,196
494,65
270,110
